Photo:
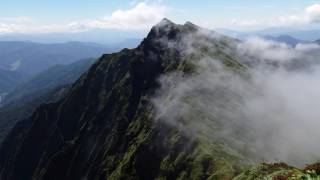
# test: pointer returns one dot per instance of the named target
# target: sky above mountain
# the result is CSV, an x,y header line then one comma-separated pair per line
x,y
39,16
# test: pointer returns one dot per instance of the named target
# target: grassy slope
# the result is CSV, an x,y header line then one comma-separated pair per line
x,y
280,171
199,158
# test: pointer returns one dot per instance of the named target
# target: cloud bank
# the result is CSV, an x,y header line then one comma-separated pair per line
x,y
311,15
269,112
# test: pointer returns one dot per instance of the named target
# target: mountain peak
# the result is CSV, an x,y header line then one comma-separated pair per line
x,y
165,28
191,26
169,29
165,23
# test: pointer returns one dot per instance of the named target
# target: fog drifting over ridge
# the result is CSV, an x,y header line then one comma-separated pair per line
x,y
270,111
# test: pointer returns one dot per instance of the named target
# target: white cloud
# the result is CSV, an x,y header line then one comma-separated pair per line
x,y
13,24
140,17
270,113
311,15
9,28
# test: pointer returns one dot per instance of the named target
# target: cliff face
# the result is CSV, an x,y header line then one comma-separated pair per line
x,y
105,127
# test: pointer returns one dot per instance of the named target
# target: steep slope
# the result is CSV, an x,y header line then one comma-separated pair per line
x,y
108,125
106,128
11,114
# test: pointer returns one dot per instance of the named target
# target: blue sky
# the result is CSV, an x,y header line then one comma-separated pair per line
x,y
79,15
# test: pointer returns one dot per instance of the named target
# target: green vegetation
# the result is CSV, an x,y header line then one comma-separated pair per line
x,y
106,126
280,171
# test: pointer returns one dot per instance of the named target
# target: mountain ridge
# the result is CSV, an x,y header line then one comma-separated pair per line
x,y
106,126
113,98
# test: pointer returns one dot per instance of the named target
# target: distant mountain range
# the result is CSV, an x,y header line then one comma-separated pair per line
x,y
303,35
100,36
55,76
20,61
48,86
32,58
286,39
278,35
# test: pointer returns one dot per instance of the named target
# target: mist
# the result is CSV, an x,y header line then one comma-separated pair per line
x,y
268,110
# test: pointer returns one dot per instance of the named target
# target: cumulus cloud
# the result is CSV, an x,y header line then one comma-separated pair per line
x,y
268,113
13,24
311,15
140,17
